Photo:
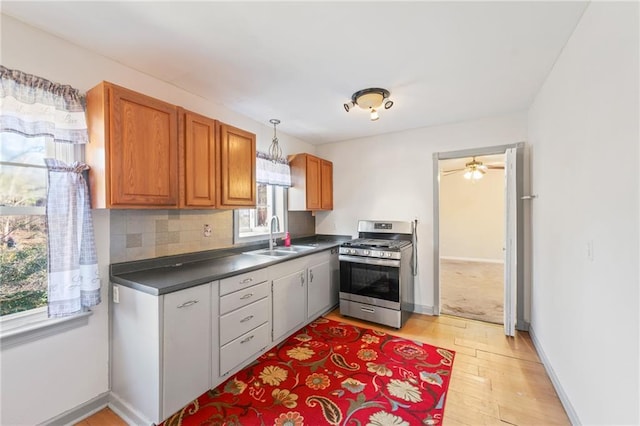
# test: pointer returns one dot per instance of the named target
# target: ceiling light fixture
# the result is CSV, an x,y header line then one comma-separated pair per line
x,y
371,99
474,170
275,152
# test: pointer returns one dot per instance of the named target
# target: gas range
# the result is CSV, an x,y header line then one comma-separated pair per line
x,y
376,272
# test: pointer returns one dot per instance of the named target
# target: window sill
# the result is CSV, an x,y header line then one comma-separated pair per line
x,y
23,327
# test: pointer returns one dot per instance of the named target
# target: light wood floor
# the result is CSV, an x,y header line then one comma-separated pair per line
x,y
496,380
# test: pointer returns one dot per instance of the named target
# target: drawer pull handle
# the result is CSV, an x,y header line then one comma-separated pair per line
x,y
246,296
245,319
246,339
187,304
310,275
246,280
369,310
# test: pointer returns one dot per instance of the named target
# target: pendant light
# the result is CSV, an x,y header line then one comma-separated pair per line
x,y
275,152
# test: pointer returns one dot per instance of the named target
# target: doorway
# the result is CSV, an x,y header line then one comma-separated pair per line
x,y
472,226
512,223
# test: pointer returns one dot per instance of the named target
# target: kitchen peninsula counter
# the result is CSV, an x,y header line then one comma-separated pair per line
x,y
173,273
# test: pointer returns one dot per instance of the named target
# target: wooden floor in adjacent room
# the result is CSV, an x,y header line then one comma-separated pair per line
x,y
496,380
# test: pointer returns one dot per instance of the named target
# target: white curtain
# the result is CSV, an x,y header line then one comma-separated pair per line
x,y
271,172
74,282
35,108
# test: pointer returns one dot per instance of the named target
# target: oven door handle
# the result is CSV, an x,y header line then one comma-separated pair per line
x,y
370,261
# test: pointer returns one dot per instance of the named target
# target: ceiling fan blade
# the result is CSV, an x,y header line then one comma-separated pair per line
x,y
495,167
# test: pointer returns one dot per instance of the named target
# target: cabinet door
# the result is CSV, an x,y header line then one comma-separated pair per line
x,y
200,159
313,183
237,168
326,186
143,149
289,311
186,364
319,289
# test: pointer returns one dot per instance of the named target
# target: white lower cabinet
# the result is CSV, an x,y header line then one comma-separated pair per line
x,y
319,288
303,289
186,363
167,350
161,356
289,297
245,318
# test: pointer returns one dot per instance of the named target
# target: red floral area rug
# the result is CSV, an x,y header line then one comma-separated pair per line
x,y
331,373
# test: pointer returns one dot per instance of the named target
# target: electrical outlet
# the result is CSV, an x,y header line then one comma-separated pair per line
x,y
207,230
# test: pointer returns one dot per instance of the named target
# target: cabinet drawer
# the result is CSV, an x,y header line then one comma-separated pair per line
x,y
239,350
238,282
241,320
243,297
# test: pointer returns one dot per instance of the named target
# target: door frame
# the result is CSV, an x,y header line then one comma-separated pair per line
x,y
521,323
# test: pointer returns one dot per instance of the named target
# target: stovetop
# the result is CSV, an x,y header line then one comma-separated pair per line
x,y
380,244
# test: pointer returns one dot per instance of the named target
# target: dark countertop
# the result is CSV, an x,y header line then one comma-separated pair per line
x,y
172,273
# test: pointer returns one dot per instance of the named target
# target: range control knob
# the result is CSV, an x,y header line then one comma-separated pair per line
x,y
366,252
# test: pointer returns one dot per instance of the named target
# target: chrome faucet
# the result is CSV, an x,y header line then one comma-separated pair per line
x,y
272,242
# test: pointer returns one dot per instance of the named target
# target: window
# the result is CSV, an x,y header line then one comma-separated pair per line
x,y
253,224
23,249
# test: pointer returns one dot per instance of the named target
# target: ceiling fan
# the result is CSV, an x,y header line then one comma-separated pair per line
x,y
474,169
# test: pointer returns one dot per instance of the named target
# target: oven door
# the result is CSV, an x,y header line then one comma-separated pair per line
x,y
370,280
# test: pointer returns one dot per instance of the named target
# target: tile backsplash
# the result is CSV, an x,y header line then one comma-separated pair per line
x,y
145,234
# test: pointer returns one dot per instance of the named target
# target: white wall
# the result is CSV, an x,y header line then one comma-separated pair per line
x,y
45,378
390,177
472,216
584,135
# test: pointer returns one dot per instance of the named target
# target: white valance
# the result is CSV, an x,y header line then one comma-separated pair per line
x,y
272,173
34,107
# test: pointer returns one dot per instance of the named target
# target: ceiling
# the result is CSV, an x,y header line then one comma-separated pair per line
x,y
300,62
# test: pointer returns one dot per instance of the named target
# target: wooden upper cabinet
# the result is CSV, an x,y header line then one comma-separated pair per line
x,y
326,185
199,149
133,149
312,183
314,180
237,168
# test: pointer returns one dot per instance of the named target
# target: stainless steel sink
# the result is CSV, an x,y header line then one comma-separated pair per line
x,y
294,249
280,251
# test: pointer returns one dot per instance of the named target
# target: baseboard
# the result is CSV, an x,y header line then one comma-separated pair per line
x,y
472,259
126,412
80,412
422,309
564,399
